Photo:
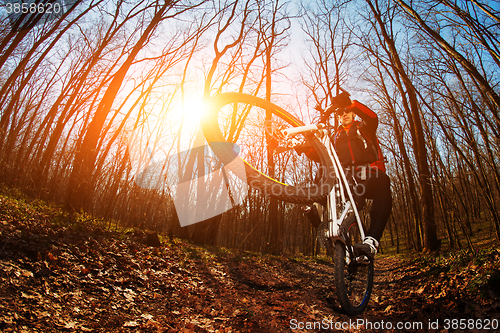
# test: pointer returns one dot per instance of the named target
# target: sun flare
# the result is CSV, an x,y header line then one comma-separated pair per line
x,y
169,126
191,110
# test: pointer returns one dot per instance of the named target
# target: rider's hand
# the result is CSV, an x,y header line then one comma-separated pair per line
x,y
340,102
302,149
331,110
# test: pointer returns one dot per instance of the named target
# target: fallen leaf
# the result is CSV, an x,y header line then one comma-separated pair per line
x,y
131,324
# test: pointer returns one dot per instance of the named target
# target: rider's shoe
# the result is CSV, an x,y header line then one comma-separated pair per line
x,y
312,214
369,247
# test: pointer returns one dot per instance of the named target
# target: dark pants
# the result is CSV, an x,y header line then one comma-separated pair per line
x,y
376,186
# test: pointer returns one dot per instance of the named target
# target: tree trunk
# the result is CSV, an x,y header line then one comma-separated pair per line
x,y
431,241
80,186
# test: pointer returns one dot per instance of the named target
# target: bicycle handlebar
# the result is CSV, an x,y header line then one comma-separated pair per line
x,y
302,129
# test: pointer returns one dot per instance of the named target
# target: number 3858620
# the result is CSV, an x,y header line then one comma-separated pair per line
x,y
477,324
32,8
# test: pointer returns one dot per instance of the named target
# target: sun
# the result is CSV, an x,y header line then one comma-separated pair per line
x,y
166,127
192,109
190,112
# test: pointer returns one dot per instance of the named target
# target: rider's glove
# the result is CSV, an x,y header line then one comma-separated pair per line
x,y
302,149
309,152
339,103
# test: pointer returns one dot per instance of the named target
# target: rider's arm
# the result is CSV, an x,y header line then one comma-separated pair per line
x,y
309,151
369,117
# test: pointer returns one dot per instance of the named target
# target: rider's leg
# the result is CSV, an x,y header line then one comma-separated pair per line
x,y
377,187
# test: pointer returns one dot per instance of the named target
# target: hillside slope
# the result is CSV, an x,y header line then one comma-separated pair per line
x,y
58,274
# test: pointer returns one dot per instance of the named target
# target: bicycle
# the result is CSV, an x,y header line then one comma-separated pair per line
x,y
262,128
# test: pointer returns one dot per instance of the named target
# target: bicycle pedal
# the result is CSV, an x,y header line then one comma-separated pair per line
x,y
361,250
363,260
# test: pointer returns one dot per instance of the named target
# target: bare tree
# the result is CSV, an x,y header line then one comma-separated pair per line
x,y
452,52
410,102
80,187
326,29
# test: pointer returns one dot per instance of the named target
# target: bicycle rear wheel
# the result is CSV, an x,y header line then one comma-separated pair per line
x,y
353,275
253,125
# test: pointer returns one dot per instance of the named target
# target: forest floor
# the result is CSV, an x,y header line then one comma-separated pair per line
x,y
61,275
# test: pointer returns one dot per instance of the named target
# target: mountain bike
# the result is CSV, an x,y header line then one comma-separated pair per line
x,y
269,142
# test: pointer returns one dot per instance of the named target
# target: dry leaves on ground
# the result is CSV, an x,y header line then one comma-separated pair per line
x,y
60,275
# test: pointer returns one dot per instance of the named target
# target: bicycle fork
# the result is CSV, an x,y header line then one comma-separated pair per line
x,y
337,197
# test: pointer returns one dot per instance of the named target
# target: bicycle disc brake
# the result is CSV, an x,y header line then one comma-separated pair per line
x,y
274,130
280,142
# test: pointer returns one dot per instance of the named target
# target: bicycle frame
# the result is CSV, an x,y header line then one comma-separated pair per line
x,y
337,194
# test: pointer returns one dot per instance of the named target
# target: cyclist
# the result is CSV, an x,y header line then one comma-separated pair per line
x,y
359,152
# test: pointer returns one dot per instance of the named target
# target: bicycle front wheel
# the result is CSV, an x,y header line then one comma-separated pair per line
x,y
353,275
241,126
